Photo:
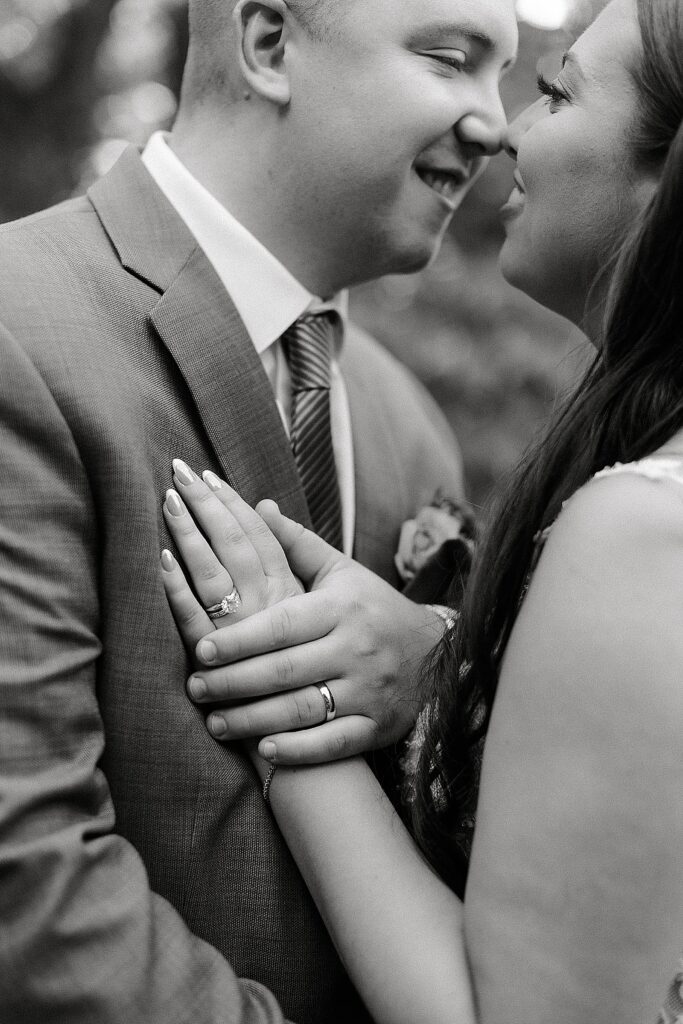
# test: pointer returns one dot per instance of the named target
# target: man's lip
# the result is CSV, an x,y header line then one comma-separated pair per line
x,y
461,175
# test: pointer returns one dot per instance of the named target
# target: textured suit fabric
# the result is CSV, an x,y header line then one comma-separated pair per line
x,y
141,874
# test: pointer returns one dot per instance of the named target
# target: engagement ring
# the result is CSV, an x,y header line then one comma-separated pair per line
x,y
228,606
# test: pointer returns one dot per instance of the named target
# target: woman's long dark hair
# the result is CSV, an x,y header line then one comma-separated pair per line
x,y
629,403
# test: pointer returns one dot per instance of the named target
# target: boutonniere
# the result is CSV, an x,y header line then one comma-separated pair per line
x,y
435,549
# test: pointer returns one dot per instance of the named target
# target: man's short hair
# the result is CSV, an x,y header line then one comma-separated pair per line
x,y
208,16
211,29
316,15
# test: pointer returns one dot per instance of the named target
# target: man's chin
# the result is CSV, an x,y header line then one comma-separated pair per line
x,y
406,252
424,256
417,261
420,254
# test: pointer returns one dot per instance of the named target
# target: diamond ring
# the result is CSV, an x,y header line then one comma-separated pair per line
x,y
228,606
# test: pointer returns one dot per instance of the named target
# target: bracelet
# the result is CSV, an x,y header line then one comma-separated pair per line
x,y
447,615
267,781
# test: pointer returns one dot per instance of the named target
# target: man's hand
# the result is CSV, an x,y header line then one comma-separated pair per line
x,y
352,631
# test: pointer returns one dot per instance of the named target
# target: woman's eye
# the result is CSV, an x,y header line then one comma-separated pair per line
x,y
455,59
550,89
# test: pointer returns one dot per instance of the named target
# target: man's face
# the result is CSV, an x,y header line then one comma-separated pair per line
x,y
391,116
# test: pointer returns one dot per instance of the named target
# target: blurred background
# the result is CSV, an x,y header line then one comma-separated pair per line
x,y
79,79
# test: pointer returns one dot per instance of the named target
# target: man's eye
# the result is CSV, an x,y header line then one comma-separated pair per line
x,y
455,59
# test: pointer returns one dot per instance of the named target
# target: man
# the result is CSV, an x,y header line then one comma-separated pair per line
x,y
141,875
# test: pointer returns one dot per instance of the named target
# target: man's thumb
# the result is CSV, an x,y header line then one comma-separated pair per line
x,y
310,558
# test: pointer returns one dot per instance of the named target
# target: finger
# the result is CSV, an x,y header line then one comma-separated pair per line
x,y
309,557
265,544
210,578
265,674
191,619
297,709
297,620
229,544
345,737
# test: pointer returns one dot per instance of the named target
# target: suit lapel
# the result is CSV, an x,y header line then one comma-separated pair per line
x,y
203,332
199,325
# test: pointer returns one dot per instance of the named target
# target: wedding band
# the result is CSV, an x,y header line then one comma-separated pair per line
x,y
228,606
330,706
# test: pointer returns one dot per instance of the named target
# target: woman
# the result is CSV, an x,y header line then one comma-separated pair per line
x,y
573,910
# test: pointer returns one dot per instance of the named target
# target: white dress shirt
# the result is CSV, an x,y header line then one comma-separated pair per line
x,y
266,296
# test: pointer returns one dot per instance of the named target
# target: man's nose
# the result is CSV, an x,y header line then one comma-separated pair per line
x,y
481,134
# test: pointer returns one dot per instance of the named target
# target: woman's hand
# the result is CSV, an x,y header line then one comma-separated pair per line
x,y
240,553
353,632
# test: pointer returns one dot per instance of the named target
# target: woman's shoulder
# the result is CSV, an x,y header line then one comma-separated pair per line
x,y
603,607
614,557
628,510
580,795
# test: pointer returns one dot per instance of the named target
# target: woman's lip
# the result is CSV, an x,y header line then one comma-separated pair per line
x,y
518,181
514,205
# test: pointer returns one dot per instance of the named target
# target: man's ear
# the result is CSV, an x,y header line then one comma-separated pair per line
x,y
261,28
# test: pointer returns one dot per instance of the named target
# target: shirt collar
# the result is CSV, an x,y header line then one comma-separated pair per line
x,y
267,297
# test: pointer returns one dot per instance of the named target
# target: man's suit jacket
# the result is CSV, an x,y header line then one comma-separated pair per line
x,y
141,874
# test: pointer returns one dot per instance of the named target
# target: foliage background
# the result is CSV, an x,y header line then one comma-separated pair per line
x,y
80,77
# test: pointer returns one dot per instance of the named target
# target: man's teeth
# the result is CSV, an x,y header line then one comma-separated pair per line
x,y
444,184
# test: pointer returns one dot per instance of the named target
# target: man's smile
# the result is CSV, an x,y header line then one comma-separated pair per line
x,y
447,182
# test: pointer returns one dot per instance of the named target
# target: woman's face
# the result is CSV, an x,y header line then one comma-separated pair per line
x,y
577,185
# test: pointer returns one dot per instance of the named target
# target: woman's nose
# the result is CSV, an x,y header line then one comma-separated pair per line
x,y
519,126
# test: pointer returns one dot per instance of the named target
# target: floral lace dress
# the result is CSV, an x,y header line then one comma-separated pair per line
x,y
672,1011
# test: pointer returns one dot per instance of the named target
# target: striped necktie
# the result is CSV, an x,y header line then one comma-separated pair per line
x,y
309,345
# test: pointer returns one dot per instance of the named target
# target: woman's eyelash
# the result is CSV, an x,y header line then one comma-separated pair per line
x,y
549,90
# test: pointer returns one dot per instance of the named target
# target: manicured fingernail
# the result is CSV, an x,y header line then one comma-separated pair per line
x,y
197,687
211,480
168,562
207,651
217,725
174,503
183,472
269,751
